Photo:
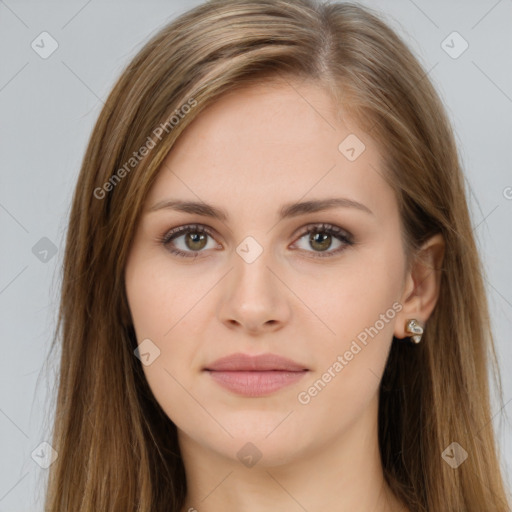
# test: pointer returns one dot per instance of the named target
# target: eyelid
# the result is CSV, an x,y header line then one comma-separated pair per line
x,y
323,226
186,228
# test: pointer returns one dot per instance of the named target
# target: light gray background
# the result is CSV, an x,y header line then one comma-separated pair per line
x,y
47,111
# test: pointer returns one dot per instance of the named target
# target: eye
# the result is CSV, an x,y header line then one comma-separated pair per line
x,y
320,238
195,238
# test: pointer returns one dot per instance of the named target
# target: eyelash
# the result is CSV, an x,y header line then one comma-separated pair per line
x,y
329,229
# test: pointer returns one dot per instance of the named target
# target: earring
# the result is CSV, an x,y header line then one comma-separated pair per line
x,y
414,329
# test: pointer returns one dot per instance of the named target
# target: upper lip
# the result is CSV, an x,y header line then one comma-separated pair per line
x,y
262,362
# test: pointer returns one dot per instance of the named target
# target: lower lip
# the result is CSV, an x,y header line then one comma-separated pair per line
x,y
252,383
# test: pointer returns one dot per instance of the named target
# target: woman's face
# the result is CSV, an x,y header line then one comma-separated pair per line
x,y
252,281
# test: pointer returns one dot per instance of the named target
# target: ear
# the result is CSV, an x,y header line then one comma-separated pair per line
x,y
421,285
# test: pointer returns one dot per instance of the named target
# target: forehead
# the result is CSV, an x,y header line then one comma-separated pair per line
x,y
273,116
275,142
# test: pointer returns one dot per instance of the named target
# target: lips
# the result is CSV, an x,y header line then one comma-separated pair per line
x,y
264,362
255,376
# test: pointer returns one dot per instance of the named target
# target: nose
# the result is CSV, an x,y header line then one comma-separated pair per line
x,y
254,298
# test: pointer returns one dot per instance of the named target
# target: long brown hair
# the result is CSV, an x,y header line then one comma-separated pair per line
x,y
117,450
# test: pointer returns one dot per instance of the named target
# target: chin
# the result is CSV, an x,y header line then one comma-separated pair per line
x,y
264,440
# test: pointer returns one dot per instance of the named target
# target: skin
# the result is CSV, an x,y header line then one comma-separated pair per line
x,y
249,153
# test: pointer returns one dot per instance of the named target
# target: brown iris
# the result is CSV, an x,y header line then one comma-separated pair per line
x,y
195,241
320,241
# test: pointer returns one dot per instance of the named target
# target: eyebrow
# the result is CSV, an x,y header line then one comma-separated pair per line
x,y
287,211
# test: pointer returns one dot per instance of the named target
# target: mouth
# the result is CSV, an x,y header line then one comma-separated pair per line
x,y
255,375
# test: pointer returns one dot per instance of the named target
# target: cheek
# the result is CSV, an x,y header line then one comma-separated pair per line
x,y
162,314
353,296
159,300
167,307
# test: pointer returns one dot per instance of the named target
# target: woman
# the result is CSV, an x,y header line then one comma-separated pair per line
x,y
272,298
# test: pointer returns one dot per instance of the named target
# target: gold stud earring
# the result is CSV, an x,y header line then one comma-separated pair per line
x,y
414,329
